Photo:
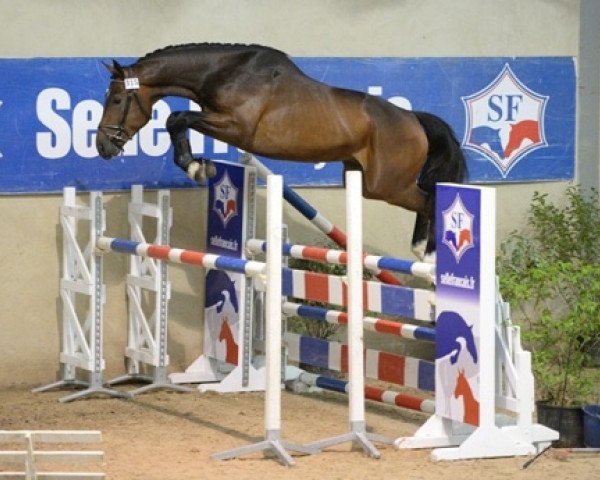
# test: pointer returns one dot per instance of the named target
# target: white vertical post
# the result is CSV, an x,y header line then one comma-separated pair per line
x,y
355,299
358,434
272,441
487,308
273,307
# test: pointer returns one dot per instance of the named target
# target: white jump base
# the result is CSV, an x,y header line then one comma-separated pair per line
x,y
29,456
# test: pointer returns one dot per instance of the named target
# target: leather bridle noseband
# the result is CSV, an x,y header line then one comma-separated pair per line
x,y
118,134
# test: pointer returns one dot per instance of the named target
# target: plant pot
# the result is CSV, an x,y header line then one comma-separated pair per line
x,y
591,426
568,421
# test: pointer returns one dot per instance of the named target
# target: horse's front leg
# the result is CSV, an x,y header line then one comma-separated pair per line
x,y
198,169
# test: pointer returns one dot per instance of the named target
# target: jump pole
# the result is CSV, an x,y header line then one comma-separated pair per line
x,y
358,434
375,394
373,263
272,441
312,214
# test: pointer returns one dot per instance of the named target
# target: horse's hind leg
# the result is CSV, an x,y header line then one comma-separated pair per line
x,y
430,249
197,169
419,238
423,241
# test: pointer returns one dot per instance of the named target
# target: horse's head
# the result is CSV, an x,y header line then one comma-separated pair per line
x,y
127,108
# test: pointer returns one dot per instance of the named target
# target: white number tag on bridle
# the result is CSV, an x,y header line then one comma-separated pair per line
x,y
132,83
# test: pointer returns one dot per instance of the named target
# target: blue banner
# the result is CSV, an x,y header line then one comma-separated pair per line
x,y
515,117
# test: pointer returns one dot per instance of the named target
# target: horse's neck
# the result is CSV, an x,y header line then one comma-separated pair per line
x,y
172,76
185,75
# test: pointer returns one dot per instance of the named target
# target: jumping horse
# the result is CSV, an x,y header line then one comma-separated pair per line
x,y
255,98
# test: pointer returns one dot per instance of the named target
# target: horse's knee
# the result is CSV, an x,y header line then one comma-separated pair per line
x,y
176,123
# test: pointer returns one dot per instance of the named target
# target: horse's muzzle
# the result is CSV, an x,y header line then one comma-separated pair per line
x,y
106,147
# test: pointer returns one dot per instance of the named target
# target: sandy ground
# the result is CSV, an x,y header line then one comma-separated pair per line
x,y
165,435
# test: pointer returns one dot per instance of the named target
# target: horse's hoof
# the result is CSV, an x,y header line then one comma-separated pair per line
x,y
185,160
200,177
210,169
194,171
201,170
418,249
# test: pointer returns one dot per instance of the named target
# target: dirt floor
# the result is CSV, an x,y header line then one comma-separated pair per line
x,y
165,435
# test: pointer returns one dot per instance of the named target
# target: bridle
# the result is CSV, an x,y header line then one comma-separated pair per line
x,y
118,134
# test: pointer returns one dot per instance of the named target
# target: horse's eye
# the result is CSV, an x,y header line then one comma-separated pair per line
x,y
116,100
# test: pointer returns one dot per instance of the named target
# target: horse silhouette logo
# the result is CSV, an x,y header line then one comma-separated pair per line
x,y
470,403
225,202
220,289
458,228
221,316
231,346
452,336
505,121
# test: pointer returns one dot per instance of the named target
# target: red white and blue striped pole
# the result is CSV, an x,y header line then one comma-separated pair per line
x,y
374,263
313,215
371,393
380,325
178,255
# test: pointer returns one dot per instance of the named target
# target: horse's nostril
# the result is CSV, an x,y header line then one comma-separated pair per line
x,y
102,150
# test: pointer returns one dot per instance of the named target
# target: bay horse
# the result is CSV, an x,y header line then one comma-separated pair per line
x,y
255,98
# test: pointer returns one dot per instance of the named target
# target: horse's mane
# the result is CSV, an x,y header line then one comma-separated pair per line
x,y
189,47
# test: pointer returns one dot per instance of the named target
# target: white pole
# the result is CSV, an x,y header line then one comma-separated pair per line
x,y
273,307
358,434
487,309
355,298
272,439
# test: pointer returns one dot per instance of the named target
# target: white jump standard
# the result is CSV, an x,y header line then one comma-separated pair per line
x,y
82,277
148,294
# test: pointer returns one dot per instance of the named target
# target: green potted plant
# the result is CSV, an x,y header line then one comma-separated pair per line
x,y
550,274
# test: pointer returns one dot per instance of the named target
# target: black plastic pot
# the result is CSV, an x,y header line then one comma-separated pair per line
x,y
568,421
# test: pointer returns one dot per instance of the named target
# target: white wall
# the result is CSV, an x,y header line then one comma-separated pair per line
x,y
30,240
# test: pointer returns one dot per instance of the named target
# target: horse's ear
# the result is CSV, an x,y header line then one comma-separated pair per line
x,y
116,70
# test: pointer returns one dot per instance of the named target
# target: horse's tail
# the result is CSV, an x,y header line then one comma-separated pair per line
x,y
445,159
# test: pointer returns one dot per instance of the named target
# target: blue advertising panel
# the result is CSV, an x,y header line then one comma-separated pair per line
x,y
515,118
225,235
458,323
225,220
